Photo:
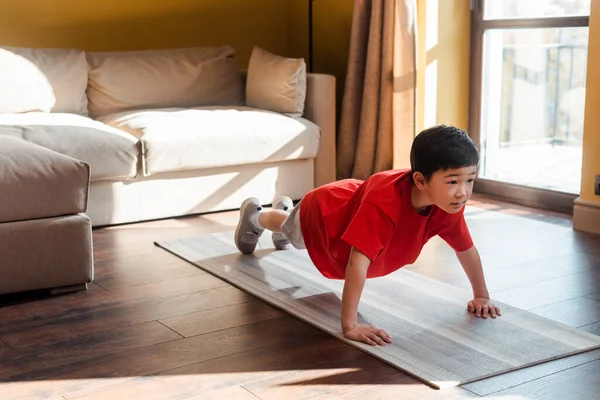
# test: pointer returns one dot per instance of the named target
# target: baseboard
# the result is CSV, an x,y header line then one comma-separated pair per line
x,y
526,196
586,216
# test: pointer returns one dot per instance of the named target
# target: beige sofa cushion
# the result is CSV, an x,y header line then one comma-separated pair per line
x,y
49,80
39,183
112,154
203,137
276,83
121,81
45,253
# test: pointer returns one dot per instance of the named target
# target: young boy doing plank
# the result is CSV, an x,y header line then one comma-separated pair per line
x,y
355,230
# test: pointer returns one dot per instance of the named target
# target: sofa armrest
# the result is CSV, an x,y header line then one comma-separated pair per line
x,y
320,109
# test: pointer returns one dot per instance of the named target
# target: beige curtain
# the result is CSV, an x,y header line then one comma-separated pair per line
x,y
377,121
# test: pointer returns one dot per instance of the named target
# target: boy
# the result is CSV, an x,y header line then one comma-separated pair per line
x,y
354,230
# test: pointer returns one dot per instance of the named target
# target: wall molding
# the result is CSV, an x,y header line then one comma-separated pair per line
x,y
586,216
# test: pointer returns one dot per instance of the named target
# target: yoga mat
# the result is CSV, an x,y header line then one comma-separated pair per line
x,y
434,338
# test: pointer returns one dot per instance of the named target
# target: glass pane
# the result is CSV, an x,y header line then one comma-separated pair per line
x,y
533,106
500,9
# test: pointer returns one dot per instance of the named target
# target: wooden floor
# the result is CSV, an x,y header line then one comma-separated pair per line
x,y
152,326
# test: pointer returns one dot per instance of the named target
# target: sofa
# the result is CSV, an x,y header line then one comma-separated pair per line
x,y
45,237
173,132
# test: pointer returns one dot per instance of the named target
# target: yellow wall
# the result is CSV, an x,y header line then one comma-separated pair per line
x,y
100,25
591,127
443,63
280,26
332,24
297,29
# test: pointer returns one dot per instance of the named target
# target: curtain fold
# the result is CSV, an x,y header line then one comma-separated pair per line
x,y
378,106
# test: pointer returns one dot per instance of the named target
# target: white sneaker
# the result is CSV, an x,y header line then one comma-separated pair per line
x,y
246,235
284,203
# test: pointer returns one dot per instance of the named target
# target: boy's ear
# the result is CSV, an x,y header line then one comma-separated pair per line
x,y
419,180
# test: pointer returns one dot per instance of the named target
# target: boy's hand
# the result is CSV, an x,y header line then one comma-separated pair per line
x,y
368,334
483,307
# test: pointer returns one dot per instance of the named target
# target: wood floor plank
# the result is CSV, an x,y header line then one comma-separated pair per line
x,y
133,277
500,237
107,319
591,328
30,315
516,378
236,392
325,379
140,256
512,276
395,389
173,387
543,248
225,317
38,391
147,232
595,295
578,383
575,312
551,291
211,377
103,371
510,228
508,265
479,347
77,348
4,350
131,246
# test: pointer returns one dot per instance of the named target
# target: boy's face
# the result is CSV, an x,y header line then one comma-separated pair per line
x,y
451,189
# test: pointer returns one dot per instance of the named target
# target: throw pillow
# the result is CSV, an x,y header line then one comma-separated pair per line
x,y
190,77
276,83
43,79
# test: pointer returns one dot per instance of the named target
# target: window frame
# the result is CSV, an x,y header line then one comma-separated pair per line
x,y
520,194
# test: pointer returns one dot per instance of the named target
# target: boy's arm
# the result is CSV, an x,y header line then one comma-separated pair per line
x,y
356,274
481,304
471,263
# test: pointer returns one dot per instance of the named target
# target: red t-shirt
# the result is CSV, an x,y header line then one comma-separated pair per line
x,y
377,217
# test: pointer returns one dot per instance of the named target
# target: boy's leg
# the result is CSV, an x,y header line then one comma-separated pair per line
x,y
280,240
292,229
253,221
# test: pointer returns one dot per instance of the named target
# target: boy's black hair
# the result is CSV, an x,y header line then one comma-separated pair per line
x,y
440,148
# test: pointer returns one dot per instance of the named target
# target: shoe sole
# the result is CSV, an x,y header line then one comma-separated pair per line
x,y
245,204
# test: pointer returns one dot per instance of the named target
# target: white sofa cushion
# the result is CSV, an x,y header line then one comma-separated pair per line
x,y
111,153
48,80
177,139
135,80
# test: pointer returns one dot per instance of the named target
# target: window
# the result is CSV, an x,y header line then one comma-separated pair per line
x,y
527,97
